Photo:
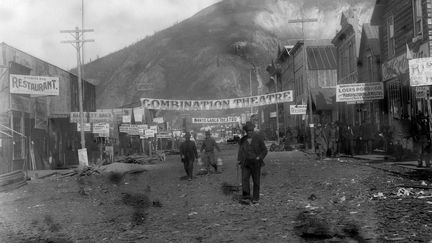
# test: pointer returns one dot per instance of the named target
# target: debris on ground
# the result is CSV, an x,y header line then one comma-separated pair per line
x,y
123,168
12,180
228,189
87,171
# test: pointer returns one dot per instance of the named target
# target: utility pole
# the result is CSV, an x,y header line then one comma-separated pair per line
x,y
302,21
277,109
77,43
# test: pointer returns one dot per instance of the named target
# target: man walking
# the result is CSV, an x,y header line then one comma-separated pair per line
x,y
188,154
251,154
208,146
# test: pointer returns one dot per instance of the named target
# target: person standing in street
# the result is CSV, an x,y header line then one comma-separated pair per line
x,y
333,136
188,154
208,147
320,142
251,154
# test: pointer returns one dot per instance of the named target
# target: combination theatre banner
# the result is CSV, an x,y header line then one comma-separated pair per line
x,y
359,92
33,85
244,102
218,120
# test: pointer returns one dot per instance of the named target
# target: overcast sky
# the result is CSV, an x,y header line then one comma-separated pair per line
x,y
33,26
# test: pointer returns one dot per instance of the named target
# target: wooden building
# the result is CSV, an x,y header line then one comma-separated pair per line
x,y
316,81
369,71
404,33
35,130
347,42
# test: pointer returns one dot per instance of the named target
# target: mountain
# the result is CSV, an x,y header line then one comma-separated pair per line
x,y
211,54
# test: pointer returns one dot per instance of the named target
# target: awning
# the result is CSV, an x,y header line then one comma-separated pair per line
x,y
323,98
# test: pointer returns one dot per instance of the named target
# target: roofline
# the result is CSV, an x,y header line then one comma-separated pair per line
x,y
7,45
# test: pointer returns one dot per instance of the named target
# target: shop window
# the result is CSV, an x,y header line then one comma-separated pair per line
x,y
417,18
395,98
390,36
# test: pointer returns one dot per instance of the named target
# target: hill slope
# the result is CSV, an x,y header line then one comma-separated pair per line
x,y
211,54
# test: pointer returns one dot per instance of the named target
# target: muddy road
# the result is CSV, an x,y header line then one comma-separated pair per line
x,y
303,200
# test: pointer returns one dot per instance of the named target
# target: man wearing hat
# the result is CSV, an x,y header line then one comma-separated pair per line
x,y
251,154
188,154
208,146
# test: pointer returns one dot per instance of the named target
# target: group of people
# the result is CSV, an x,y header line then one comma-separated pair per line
x,y
326,140
189,153
250,157
340,138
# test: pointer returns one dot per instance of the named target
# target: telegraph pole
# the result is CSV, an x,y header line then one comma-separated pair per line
x,y
77,43
302,21
277,109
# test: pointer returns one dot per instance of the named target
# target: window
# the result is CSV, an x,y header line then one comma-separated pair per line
x,y
345,62
370,67
352,57
390,36
417,17
395,98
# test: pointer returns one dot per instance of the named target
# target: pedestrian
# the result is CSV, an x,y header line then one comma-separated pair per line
x,y
208,147
422,140
321,142
251,154
188,154
350,136
333,139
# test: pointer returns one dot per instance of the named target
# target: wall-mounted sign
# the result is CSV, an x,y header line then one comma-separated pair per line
x,y
33,85
230,119
359,92
298,109
163,135
273,114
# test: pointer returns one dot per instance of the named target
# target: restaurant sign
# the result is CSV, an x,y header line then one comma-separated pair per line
x,y
33,85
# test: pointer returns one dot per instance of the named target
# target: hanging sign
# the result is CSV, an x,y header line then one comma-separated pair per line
x,y
359,92
298,109
421,92
101,128
33,85
149,133
158,120
230,119
87,127
244,102
75,117
100,117
82,157
420,71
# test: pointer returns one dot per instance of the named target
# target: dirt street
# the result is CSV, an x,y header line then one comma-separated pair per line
x,y
303,200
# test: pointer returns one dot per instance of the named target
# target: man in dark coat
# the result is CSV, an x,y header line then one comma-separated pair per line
x,y
251,154
208,147
188,154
